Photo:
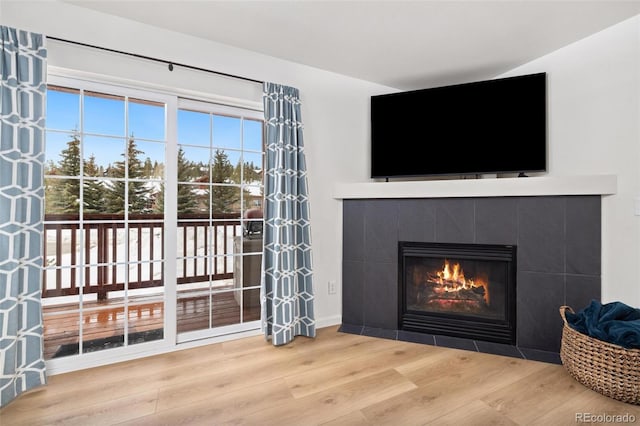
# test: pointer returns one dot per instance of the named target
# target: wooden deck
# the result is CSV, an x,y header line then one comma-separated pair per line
x,y
104,320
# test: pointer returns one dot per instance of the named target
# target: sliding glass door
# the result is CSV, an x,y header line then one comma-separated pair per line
x,y
103,282
219,224
153,219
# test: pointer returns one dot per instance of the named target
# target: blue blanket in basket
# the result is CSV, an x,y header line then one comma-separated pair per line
x,y
613,322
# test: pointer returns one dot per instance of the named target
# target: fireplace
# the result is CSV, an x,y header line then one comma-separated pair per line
x,y
558,260
459,290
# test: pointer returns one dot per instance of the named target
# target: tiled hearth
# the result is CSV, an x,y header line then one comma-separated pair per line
x,y
558,240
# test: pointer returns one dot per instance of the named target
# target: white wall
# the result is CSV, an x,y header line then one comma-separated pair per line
x,y
334,107
594,128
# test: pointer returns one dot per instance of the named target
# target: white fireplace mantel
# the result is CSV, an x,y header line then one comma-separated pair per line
x,y
493,187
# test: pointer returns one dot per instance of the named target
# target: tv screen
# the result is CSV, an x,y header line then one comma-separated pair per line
x,y
492,126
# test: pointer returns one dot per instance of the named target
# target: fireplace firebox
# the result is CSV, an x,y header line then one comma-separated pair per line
x,y
459,290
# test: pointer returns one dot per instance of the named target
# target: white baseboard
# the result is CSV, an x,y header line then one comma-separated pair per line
x,y
329,321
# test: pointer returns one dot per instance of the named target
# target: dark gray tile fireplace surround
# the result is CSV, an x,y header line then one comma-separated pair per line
x,y
558,241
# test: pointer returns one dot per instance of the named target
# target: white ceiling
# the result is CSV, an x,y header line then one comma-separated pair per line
x,y
402,44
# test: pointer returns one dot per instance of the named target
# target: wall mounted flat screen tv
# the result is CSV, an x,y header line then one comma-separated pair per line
x,y
484,127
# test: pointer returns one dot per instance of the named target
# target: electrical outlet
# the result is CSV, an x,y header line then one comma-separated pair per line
x,y
332,287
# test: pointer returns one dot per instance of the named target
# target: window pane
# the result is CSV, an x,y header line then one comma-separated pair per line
x,y
252,171
145,241
193,164
219,301
251,305
194,128
225,200
61,325
145,321
104,114
140,198
93,196
63,108
151,154
92,239
116,238
223,166
103,156
68,278
62,196
62,245
252,135
253,197
157,201
113,196
226,132
62,156
98,323
192,312
146,119
135,160
192,198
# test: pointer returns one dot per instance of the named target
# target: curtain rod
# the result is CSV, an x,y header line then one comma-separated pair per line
x,y
171,64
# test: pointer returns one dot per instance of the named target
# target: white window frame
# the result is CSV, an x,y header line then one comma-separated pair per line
x,y
173,99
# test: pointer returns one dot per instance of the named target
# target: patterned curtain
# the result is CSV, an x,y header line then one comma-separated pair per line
x,y
287,290
22,115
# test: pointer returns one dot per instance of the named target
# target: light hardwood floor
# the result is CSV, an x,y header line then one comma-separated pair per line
x,y
334,379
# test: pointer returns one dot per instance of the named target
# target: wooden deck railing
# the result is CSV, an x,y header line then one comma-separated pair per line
x,y
109,252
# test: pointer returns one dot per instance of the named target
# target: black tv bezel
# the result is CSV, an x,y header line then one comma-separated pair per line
x,y
520,172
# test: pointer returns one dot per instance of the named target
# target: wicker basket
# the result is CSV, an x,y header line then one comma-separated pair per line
x,y
601,366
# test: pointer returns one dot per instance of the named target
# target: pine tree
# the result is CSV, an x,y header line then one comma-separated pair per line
x,y
187,202
50,168
237,173
158,170
223,198
158,204
137,192
148,168
63,195
92,196
186,198
250,173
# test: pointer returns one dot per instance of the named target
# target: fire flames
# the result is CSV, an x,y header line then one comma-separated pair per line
x,y
451,279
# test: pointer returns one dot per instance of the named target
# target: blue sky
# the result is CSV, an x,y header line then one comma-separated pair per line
x,y
106,117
